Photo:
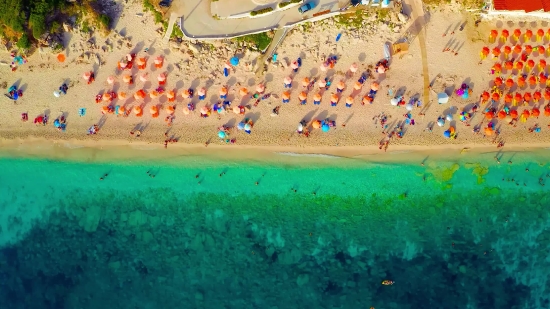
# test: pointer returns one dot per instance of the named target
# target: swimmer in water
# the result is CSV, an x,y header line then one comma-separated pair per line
x,y
257,183
197,176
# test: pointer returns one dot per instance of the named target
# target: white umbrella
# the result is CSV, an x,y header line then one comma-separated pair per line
x,y
56,94
441,122
394,101
409,107
449,117
442,98
300,127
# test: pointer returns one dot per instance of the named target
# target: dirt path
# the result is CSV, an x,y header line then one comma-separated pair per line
x,y
420,21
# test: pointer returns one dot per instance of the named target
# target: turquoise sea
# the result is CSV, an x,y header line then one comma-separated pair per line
x,y
315,232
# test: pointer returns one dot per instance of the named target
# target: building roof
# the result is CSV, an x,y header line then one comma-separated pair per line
x,y
522,5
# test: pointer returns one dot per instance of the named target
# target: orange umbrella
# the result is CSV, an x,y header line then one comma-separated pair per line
x,y
171,95
121,95
170,109
508,98
498,81
260,88
490,115
334,98
185,110
493,34
519,65
501,115
495,96
140,61
517,49
140,94
138,111
541,49
532,80
305,82
509,65
547,94
504,35
186,94
341,85
521,81
517,33
316,124
374,86
496,51
357,86
158,62
509,83
527,96
528,49
286,95
526,114
542,65
154,110
507,50
223,91
514,113
497,67
202,91
236,110
485,51
302,96
243,91
61,57
153,94
349,100
353,68
317,97
530,63
485,95
105,109
367,100
488,131
547,111
127,78
528,35
537,96
107,97
121,110
517,98
540,34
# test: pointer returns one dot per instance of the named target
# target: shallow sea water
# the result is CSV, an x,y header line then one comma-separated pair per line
x,y
323,233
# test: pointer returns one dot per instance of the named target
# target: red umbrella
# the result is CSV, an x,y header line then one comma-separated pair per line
x,y
490,115
497,67
508,98
507,50
540,34
542,65
527,96
485,52
494,34
528,34
518,97
496,51
547,111
530,63
501,115
521,81
517,49
537,96
509,83
547,94
504,35
541,49
517,33
514,113
532,80
526,114
509,65
498,81
496,96
485,95
528,49
519,65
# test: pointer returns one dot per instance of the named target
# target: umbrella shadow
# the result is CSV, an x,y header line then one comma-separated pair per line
x,y
332,117
195,83
17,83
401,91
232,81
230,123
254,117
450,111
468,82
348,119
362,57
213,99
23,87
251,82
313,71
322,115
309,116
47,113
102,121
268,78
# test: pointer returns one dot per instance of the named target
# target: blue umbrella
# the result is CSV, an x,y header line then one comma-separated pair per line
x,y
447,134
325,128
465,95
221,134
56,123
240,126
234,61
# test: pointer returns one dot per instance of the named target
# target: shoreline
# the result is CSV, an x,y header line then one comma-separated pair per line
x,y
121,150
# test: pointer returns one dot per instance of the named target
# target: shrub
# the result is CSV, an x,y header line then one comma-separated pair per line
x,y
24,42
262,11
104,21
283,4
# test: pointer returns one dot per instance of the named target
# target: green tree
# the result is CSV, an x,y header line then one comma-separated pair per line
x,y
24,42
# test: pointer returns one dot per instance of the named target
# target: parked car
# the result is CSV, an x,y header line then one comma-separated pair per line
x,y
306,7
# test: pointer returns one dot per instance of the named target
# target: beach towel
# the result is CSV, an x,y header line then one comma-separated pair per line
x,y
225,72
82,112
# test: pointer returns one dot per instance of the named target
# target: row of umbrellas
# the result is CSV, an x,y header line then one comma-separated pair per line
x,y
517,97
128,78
517,33
533,80
519,65
517,49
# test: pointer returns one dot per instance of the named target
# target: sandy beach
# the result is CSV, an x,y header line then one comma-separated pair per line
x,y
192,66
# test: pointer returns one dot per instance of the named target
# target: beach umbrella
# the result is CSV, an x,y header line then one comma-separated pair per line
x,y
547,94
302,96
144,77
240,126
517,34
316,124
409,107
223,92
507,51
154,110
498,81
234,61
517,49
381,69
441,121
537,96
286,95
221,134
509,65
243,91
294,65
260,88
323,67
485,95
501,115
141,61
542,79
504,35
340,85
485,52
497,67
442,98
158,62
153,94
509,82
325,128
204,110
541,49
349,100
357,86
140,94
493,34
110,80
514,113
366,100
508,98
489,115
395,101
201,92
535,112
87,75
495,96
185,110
247,126
540,34
127,79
106,97
305,82
236,110
56,94
519,65
532,80
317,97
542,65
105,109
138,111
496,52
61,57
374,86
527,97
521,81
322,83
488,131
121,110
528,49
353,68
170,109
171,95
530,64
288,80
528,35
526,114
129,57
161,77
334,98
517,98
186,94
547,111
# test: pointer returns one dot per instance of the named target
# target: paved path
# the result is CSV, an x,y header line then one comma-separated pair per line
x,y
198,20
171,22
277,39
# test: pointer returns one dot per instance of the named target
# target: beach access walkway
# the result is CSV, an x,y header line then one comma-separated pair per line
x,y
203,19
